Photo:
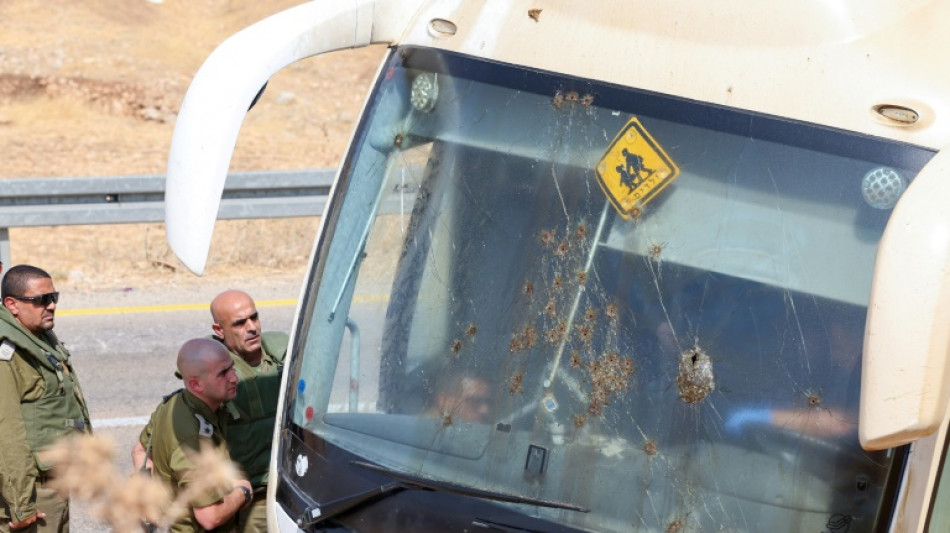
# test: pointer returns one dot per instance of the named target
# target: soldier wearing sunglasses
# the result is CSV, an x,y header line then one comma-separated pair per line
x,y
40,402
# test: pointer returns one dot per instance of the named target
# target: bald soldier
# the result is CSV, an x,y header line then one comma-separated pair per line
x,y
184,421
40,402
258,359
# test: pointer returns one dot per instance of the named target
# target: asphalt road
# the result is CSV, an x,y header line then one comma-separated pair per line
x,y
124,346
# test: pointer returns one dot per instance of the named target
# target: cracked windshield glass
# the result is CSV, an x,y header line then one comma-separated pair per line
x,y
648,308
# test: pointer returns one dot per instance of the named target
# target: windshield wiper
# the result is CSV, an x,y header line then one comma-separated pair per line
x,y
464,490
481,523
316,513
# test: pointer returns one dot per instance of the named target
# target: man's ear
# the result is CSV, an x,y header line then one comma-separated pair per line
x,y
216,328
10,303
195,385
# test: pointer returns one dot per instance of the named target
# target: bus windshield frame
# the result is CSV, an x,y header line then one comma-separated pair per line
x,y
645,309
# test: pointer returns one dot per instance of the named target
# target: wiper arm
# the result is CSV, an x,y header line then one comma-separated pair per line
x,y
498,526
316,513
455,488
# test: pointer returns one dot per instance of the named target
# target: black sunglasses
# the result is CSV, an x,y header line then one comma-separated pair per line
x,y
43,299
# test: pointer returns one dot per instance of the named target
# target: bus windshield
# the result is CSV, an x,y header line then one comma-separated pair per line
x,y
649,308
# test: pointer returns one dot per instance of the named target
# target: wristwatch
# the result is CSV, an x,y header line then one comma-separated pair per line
x,y
247,493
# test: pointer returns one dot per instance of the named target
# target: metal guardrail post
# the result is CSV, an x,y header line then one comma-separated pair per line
x,y
5,247
30,202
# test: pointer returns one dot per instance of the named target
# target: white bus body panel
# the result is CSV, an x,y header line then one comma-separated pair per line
x,y
821,61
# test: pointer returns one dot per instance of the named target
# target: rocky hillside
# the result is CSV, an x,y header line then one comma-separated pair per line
x,y
92,88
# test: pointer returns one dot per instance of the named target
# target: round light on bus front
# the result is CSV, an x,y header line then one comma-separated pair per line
x,y
882,187
424,93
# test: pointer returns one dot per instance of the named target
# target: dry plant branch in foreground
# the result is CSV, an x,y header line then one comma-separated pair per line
x,y
86,471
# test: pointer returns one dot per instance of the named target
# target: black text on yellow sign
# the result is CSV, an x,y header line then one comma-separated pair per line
x,y
634,169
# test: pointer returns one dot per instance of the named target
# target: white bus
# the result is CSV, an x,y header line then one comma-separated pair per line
x,y
615,266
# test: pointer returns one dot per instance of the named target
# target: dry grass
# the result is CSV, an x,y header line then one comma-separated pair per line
x,y
98,97
86,472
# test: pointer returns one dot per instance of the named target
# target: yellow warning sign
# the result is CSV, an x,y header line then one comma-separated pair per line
x,y
634,169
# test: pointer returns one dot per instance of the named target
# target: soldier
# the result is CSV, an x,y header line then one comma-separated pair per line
x,y
40,402
184,421
258,359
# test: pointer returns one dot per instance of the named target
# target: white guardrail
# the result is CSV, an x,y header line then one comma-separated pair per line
x,y
26,202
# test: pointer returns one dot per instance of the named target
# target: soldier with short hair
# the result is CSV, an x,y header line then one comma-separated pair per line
x,y
40,402
187,419
258,361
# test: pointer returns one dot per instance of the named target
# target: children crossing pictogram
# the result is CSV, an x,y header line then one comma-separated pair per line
x,y
634,169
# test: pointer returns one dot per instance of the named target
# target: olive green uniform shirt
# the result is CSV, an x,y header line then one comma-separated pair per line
x,y
253,411
178,427
40,402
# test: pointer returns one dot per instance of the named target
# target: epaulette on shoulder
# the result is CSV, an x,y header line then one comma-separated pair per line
x,y
6,350
169,395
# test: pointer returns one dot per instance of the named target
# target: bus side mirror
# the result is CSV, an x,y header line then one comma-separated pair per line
x,y
228,83
905,381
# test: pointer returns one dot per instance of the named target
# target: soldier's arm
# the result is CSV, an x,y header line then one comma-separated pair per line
x,y
210,507
139,458
140,453
17,468
29,521
212,516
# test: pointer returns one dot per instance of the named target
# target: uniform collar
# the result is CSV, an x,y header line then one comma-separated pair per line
x,y
238,360
199,406
25,339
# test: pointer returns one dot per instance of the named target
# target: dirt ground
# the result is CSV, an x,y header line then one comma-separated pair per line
x,y
92,88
